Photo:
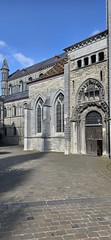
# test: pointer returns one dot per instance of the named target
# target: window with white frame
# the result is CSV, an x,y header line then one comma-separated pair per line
x,y
39,112
59,113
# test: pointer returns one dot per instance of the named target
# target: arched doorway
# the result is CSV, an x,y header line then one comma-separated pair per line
x,y
93,127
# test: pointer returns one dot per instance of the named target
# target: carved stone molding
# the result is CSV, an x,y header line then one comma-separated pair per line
x,y
76,113
91,88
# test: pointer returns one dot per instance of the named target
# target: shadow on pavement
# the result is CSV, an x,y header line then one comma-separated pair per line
x,y
2,153
10,179
9,161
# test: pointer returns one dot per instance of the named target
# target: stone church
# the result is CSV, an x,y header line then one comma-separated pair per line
x,y
63,103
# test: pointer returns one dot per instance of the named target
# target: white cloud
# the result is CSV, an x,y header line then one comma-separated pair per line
x,y
24,61
95,32
1,57
2,44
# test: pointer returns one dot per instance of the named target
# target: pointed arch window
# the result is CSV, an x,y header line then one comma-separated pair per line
x,y
10,89
60,113
21,86
39,114
5,112
14,111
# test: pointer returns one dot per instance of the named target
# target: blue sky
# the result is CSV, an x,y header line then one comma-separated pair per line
x,y
34,30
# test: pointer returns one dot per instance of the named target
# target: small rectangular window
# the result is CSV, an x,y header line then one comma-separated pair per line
x,y
93,58
79,64
101,75
86,61
73,84
101,56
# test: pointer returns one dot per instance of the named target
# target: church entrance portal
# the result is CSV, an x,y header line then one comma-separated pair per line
x,y
93,133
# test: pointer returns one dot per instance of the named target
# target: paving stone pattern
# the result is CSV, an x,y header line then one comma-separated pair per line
x,y
51,196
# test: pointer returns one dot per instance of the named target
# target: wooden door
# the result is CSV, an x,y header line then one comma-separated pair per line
x,y
94,140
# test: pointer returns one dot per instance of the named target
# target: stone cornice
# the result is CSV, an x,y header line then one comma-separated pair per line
x,y
87,41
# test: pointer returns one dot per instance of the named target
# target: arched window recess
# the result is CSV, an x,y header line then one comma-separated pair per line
x,y
59,113
39,115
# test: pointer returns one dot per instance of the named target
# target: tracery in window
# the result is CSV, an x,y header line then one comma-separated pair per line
x,y
59,113
39,114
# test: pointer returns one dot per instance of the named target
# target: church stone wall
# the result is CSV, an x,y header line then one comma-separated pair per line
x,y
79,75
25,79
14,125
48,90
98,72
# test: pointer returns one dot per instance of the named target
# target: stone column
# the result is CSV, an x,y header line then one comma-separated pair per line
x,y
105,138
97,57
82,62
82,136
74,137
67,107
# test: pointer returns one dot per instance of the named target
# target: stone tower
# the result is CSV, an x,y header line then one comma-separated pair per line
x,y
5,74
109,66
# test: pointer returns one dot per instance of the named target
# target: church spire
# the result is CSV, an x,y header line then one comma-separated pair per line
x,y
5,74
5,65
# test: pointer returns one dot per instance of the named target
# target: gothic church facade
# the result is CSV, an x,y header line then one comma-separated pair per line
x,y
62,103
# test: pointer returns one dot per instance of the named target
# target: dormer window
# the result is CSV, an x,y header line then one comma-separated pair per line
x,y
41,74
30,79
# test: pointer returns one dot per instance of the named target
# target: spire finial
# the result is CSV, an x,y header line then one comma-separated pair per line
x,y
5,64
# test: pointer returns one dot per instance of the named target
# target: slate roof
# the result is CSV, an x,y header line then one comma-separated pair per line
x,y
57,69
37,67
16,96
1,99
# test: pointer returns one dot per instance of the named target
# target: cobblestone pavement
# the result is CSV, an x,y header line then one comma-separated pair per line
x,y
51,196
